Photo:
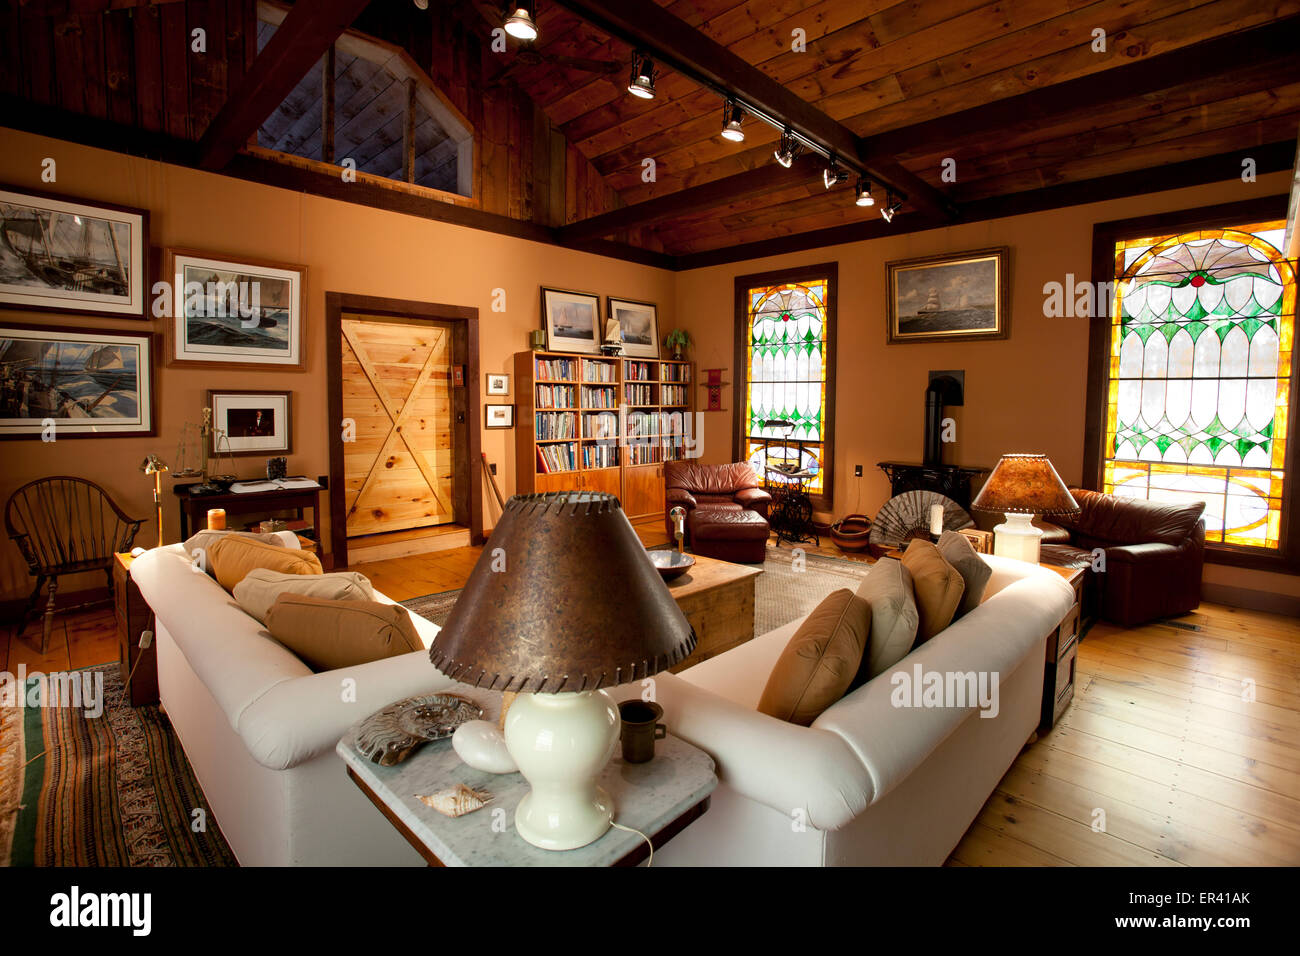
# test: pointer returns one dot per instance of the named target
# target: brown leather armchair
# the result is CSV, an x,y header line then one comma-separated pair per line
x,y
734,487
1154,555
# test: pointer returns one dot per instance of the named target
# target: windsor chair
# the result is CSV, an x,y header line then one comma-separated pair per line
x,y
65,525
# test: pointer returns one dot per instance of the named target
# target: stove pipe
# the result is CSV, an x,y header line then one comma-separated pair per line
x,y
942,391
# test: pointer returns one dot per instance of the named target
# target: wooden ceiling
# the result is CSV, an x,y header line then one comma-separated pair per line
x,y
1013,91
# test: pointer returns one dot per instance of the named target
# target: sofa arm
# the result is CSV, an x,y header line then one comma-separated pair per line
x,y
755,499
680,496
1053,533
1147,581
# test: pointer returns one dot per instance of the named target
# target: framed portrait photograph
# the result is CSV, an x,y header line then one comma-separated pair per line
x,y
638,323
571,320
89,383
71,255
498,384
957,297
499,416
250,423
236,313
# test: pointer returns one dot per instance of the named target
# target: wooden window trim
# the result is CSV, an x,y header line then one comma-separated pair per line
x,y
830,271
1104,237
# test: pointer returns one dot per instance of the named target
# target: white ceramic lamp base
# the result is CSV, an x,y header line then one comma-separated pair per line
x,y
561,743
1018,538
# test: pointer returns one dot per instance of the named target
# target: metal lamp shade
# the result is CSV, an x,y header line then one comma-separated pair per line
x,y
562,599
1025,484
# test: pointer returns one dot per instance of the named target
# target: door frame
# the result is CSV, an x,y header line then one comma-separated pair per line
x,y
465,424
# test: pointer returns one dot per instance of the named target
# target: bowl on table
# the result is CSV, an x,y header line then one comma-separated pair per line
x,y
670,564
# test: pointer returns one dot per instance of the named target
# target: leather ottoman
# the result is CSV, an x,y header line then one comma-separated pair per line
x,y
736,535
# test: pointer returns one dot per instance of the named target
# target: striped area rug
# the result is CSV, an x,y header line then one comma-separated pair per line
x,y
113,790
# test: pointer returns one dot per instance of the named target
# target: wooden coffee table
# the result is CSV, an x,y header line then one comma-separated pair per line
x,y
717,597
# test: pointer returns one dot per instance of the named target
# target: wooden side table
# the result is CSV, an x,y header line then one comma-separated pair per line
x,y
194,508
717,597
133,617
1062,652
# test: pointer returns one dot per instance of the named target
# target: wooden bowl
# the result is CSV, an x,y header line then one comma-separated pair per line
x,y
670,564
852,533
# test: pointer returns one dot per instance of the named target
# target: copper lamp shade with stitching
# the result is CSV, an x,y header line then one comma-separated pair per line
x,y
1025,484
576,605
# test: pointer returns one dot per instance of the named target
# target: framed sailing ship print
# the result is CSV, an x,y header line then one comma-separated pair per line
x,y
60,383
68,255
952,297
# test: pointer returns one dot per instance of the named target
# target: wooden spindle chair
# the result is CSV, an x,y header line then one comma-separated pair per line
x,y
65,525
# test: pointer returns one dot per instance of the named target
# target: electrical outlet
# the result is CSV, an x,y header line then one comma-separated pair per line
x,y
857,471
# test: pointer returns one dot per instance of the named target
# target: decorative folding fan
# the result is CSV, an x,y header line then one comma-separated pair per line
x,y
907,516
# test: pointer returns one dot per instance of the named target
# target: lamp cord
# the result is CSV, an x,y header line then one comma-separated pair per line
x,y
650,861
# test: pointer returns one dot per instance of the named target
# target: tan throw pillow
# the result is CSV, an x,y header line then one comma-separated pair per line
x,y
327,635
821,660
261,586
937,585
974,570
232,557
888,589
203,540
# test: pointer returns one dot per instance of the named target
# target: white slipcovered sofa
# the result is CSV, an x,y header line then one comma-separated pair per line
x,y
867,783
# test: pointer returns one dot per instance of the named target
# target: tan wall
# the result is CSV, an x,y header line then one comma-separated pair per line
x,y
346,248
1027,393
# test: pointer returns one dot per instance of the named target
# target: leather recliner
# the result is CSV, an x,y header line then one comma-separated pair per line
x,y
692,485
1154,553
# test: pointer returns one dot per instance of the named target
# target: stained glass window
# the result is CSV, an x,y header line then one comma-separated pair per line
x,y
786,378
1200,376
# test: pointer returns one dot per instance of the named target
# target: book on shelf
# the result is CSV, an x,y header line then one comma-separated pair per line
x,y
600,425
556,369
553,458
296,483
552,425
599,372
599,397
639,371
556,396
600,456
673,394
639,394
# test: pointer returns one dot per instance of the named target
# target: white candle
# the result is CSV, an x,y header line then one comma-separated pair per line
x,y
936,520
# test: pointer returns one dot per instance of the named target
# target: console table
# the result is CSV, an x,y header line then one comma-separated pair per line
x,y
950,480
194,508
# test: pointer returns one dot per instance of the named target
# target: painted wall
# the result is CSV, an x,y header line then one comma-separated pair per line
x,y
1027,393
346,248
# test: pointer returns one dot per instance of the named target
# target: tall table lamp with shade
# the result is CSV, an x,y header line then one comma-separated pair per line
x,y
1022,486
562,603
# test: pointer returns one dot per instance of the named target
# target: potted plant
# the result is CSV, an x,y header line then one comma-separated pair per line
x,y
678,340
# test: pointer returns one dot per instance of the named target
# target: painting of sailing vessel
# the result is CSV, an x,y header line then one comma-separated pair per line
x,y
73,256
570,321
86,382
234,312
949,297
639,324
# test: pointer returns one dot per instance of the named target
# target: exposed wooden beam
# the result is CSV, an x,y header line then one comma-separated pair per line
x,y
327,85
308,31
679,46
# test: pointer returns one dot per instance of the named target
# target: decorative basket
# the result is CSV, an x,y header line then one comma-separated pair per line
x,y
851,533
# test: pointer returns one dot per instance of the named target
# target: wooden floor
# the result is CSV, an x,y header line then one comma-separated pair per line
x,y
1160,760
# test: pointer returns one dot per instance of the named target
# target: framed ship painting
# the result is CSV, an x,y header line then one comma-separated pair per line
x,y
67,383
570,320
72,256
639,324
234,313
949,298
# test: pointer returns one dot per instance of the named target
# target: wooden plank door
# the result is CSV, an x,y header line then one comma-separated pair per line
x,y
399,472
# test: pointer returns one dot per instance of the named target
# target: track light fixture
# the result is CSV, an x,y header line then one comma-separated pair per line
x,y
519,21
890,208
788,149
833,174
864,193
732,118
642,81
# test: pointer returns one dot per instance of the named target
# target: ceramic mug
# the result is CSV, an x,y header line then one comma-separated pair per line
x,y
640,729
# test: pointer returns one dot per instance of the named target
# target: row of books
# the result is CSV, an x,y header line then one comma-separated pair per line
x,y
553,458
598,397
599,372
557,369
551,425
639,394
642,424
673,395
600,425
675,373
556,396
639,371
599,456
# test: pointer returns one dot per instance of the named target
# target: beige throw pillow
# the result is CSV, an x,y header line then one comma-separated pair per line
x,y
974,570
821,660
233,557
937,586
327,635
204,539
888,590
261,586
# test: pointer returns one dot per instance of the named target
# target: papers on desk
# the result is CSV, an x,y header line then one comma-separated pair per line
x,y
298,483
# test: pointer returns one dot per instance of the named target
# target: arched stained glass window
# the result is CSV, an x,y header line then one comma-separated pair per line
x,y
1200,376
788,341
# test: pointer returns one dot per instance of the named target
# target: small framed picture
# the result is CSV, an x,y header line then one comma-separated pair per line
x,y
500,416
498,384
638,325
570,320
250,423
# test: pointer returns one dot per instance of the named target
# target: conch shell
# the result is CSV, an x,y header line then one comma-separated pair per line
x,y
455,801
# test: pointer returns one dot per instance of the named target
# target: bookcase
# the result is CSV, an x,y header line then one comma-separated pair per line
x,y
599,423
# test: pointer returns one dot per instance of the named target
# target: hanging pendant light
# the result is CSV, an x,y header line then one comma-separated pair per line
x,y
732,119
519,21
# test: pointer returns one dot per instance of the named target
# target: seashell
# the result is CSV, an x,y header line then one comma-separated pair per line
x,y
389,735
455,801
482,746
